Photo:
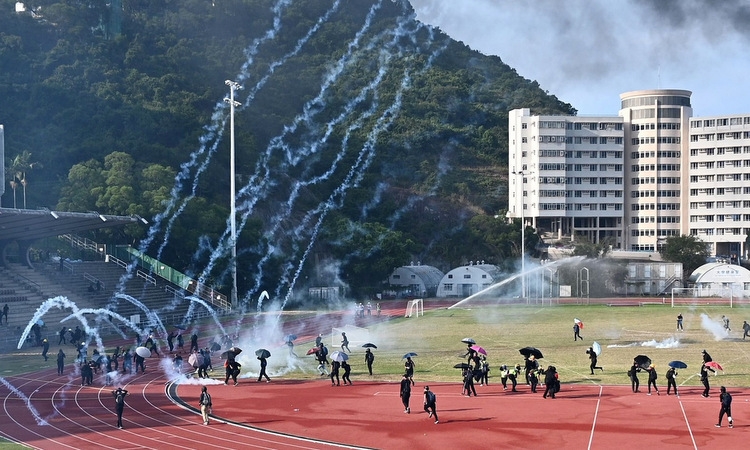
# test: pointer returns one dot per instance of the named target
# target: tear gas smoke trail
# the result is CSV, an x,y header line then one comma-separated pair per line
x,y
37,417
213,132
103,312
715,328
154,319
211,311
59,302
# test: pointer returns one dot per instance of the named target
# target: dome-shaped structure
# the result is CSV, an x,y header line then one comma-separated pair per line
x,y
720,279
468,280
415,280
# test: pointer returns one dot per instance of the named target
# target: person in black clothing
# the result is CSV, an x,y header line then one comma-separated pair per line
x,y
87,374
321,356
576,332
726,407
533,380
405,393
707,358
593,358
469,382
5,314
704,380
119,395
345,343
409,368
170,341
140,362
369,358
430,403
193,342
232,370
671,382
335,373
347,371
746,329
679,322
62,339
180,342
60,361
263,364
45,348
319,340
485,380
470,353
633,373
652,379
550,382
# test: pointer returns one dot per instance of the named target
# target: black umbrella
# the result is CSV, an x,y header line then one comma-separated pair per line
x,y
368,345
462,366
262,353
409,355
215,347
643,361
677,364
228,355
531,351
469,341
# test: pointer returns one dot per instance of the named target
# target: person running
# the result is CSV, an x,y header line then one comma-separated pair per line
x,y
726,407
232,369
119,395
345,343
405,393
725,319
263,364
193,342
576,331
746,329
652,375
60,361
347,371
671,382
45,348
704,380
679,322
513,377
205,404
320,355
369,358
593,358
430,403
469,382
409,369
633,372
62,339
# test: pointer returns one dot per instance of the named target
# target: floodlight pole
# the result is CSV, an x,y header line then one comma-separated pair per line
x,y
233,86
523,238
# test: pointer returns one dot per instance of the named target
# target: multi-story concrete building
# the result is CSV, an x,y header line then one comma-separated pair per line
x,y
634,179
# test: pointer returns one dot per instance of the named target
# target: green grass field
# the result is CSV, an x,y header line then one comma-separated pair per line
x,y
502,330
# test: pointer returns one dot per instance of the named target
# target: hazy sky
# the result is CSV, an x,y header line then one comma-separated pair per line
x,y
588,52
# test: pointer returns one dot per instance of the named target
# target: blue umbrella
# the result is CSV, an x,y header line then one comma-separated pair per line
x,y
677,364
409,355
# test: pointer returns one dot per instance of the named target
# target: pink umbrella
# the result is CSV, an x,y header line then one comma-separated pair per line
x,y
479,349
714,365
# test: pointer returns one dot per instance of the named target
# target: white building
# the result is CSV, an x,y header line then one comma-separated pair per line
x,y
637,178
416,280
468,280
720,279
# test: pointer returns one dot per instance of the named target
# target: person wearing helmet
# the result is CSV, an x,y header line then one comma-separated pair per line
x,y
652,379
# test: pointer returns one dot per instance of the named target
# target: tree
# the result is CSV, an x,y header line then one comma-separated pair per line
x,y
688,250
18,168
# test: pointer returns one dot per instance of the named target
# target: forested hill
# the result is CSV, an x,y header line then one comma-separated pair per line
x,y
362,136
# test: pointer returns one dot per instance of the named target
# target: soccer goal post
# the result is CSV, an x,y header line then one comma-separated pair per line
x,y
694,296
416,304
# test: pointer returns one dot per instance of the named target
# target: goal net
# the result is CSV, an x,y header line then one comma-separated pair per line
x,y
694,296
414,305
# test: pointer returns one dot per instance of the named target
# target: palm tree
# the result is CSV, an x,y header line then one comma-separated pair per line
x,y
18,167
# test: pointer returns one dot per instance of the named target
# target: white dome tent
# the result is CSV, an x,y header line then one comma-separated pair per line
x,y
465,281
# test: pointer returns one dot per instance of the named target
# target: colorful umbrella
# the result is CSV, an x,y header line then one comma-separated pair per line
x,y
478,349
578,321
312,351
714,365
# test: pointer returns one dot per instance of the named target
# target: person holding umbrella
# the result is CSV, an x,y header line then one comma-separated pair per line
x,y
405,393
704,380
335,365
263,363
369,358
706,359
593,358
409,369
633,372
671,382
232,369
119,395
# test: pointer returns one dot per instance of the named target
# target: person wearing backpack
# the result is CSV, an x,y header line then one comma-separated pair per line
x,y
405,393
652,376
119,395
369,358
205,404
430,403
